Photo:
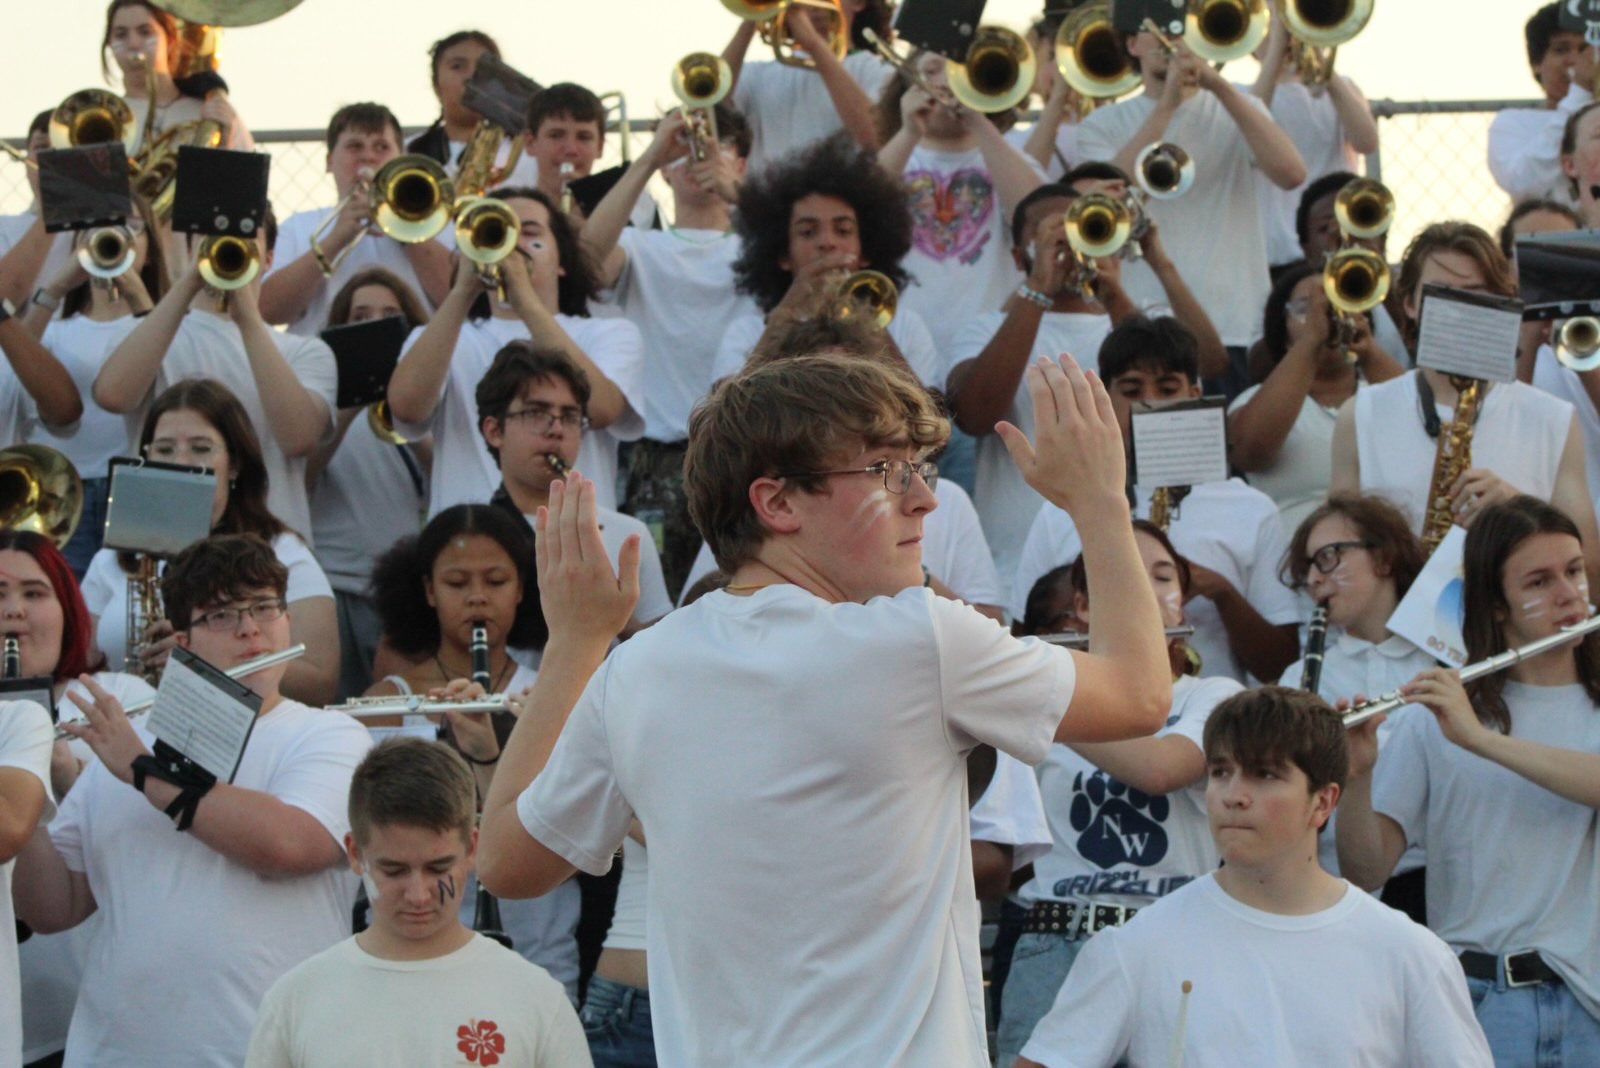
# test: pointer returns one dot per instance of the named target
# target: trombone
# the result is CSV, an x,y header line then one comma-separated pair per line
x,y
701,80
773,15
1090,56
40,491
1316,25
91,117
408,200
1098,226
486,233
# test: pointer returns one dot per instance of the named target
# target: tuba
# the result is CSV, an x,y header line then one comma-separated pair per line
x,y
701,81
40,491
1452,459
1090,56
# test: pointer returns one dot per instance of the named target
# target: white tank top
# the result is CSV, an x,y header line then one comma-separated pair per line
x,y
1519,436
627,923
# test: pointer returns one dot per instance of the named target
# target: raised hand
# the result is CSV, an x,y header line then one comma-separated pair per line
x,y
106,730
1076,460
583,598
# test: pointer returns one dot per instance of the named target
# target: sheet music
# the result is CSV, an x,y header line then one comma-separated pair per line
x,y
1469,334
1431,614
201,720
1181,445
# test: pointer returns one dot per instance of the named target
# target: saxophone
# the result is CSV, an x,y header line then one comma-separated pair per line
x,y
1451,461
144,608
1164,502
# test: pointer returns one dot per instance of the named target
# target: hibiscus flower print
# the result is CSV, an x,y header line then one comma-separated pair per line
x,y
481,1042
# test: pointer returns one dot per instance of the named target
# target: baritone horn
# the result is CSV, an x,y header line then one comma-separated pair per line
x,y
870,295
1578,343
1319,27
774,15
40,491
409,199
997,74
1090,56
1220,31
701,81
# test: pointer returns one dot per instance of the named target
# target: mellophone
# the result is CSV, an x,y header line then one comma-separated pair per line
x,y
1079,639
1359,714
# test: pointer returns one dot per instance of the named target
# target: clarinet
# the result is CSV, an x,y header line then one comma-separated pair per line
x,y
480,657
486,916
13,658
1316,641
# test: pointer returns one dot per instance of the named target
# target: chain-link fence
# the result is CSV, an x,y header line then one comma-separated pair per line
x,y
1433,158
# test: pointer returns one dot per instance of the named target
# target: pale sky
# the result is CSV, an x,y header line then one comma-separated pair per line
x,y
293,72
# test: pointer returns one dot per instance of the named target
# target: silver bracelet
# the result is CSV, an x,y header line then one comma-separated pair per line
x,y
45,300
1033,296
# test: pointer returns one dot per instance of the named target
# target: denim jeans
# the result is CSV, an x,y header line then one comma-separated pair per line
x,y
616,1020
1038,968
91,528
1540,1026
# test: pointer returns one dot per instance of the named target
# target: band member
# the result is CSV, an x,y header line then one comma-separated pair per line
x,y
287,384
1524,143
1316,226
1507,753
1050,314
304,278
808,476
790,108
548,284
1052,140
1188,980
42,254
566,135
453,60
676,286
1522,440
1245,620
1213,232
532,407
1580,161
1126,818
199,423
214,915
1280,432
35,387
365,490
804,225
416,985
143,41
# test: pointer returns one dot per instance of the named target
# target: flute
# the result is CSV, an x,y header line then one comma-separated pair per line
x,y
238,671
1359,714
1316,643
1079,639
408,704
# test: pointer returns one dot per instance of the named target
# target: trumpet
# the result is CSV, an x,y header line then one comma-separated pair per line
x,y
1220,31
1356,279
238,671
907,69
1316,25
1164,171
1365,209
91,117
774,18
1097,226
409,199
40,491
486,233
1079,639
869,294
107,253
228,263
1090,56
1359,714
1578,343
701,81
997,73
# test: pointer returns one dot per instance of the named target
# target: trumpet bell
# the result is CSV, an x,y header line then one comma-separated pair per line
x,y
998,72
40,491
92,117
1578,344
486,230
701,80
1164,171
1090,56
1326,23
1098,226
1220,31
381,420
1364,208
228,263
411,199
108,252
1356,280
775,32
868,295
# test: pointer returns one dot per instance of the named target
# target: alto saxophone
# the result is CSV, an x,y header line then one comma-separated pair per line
x,y
144,608
1164,503
1451,461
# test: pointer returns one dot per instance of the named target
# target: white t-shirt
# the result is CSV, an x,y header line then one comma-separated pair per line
x,y
1005,502
105,591
1559,381
628,923
1226,526
479,1005
370,495
26,738
1358,985
677,288
1066,152
82,345
1493,886
463,470
184,927
1297,481
1519,435
955,551
1113,844
209,346
1009,812
907,330
12,230
373,250
789,108
1312,123
960,259
775,715
1525,148
1213,232
184,109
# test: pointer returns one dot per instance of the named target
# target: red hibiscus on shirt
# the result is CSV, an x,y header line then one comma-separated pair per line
x,y
481,1041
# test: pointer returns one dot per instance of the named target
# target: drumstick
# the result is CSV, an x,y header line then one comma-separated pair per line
x,y
1175,1056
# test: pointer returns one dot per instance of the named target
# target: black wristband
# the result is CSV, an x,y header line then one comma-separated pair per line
x,y
193,783
480,763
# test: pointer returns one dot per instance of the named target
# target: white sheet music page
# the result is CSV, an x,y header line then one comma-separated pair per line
x,y
1182,444
197,717
1471,334
1431,613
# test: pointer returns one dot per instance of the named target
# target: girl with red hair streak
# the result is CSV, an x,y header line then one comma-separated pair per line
x,y
42,607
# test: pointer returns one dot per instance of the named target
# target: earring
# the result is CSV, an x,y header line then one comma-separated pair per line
x,y
233,484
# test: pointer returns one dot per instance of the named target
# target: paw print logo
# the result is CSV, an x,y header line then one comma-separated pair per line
x,y
481,1041
1116,823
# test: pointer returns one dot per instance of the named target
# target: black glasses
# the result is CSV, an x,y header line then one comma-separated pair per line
x,y
896,473
1331,555
543,418
224,619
